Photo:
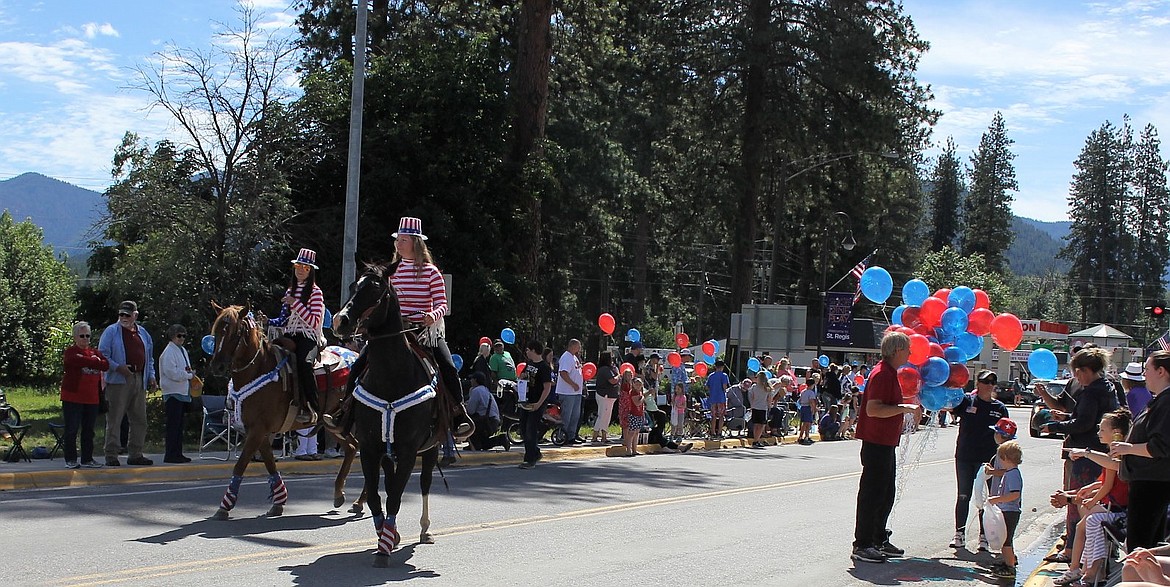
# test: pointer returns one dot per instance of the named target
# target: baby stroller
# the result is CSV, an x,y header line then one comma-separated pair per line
x,y
550,420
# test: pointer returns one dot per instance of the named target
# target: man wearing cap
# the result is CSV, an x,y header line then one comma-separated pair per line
x,y
634,357
978,414
501,364
128,347
1137,397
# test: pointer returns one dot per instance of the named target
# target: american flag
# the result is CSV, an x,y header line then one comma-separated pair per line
x,y
857,270
1164,341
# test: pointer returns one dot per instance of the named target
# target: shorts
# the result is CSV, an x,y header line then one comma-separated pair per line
x,y
1011,520
759,416
717,397
806,415
634,422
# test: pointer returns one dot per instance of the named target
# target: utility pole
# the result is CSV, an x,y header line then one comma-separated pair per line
x,y
354,165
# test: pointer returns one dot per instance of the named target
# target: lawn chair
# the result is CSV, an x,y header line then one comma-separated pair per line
x,y
217,429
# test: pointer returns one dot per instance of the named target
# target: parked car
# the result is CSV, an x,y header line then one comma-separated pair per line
x,y
1039,414
1006,393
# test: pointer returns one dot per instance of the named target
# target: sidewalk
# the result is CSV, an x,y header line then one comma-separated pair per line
x,y
50,473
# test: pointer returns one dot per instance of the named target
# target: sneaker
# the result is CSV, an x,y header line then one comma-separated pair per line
x,y
331,453
868,554
684,447
1068,577
983,546
527,465
113,462
72,465
890,550
139,461
1004,572
960,541
91,465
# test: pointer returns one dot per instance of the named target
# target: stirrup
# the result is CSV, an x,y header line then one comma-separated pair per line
x,y
306,416
463,431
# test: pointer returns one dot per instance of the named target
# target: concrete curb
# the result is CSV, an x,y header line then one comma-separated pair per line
x,y
44,478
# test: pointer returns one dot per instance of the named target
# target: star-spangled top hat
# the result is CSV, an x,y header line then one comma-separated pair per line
x,y
411,226
306,257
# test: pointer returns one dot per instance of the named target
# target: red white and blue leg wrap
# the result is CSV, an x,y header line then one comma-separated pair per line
x,y
232,493
388,537
278,493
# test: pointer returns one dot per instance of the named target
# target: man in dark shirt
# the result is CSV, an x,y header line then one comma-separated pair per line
x,y
534,386
128,347
978,413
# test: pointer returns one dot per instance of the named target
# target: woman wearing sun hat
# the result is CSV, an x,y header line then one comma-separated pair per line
x,y
422,298
301,316
1137,397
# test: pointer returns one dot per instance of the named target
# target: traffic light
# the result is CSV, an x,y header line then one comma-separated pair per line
x,y
1156,311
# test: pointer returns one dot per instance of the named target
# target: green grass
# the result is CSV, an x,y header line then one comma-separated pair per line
x,y
40,405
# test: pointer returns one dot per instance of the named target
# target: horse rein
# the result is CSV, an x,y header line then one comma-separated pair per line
x,y
239,341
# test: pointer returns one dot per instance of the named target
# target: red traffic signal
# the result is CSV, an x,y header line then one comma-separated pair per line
x,y
1157,311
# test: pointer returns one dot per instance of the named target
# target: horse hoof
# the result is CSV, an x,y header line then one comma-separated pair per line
x,y
426,538
381,560
338,500
220,514
275,510
357,508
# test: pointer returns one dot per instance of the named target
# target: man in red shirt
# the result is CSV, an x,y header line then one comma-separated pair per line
x,y
879,427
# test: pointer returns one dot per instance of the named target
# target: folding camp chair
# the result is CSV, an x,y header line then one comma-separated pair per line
x,y
217,428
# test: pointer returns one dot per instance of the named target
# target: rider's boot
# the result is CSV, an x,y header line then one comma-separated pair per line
x,y
462,426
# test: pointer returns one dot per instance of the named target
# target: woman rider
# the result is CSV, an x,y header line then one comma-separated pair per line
x,y
301,315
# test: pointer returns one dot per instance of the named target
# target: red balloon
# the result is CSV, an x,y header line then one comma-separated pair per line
x,y
701,369
936,350
960,375
909,380
682,340
1006,331
943,294
858,379
674,359
919,349
982,300
979,321
485,340
626,367
520,367
931,312
709,349
911,316
606,322
588,371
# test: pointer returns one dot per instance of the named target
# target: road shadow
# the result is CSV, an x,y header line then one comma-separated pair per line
x,y
966,567
252,529
355,569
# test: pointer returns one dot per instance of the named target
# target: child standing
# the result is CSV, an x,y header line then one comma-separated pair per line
x,y
678,413
1008,498
632,407
717,384
1003,431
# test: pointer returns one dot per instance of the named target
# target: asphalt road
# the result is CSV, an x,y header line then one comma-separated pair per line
x,y
780,515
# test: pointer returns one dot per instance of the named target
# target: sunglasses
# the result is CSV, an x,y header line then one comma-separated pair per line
x,y
180,335
123,315
82,335
987,381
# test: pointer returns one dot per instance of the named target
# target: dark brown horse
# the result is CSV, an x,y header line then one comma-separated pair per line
x,y
263,396
396,415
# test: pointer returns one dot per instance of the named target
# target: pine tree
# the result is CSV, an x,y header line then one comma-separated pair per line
x,y
1147,217
945,192
987,209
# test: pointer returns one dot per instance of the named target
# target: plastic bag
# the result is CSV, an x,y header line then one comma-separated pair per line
x,y
979,492
994,527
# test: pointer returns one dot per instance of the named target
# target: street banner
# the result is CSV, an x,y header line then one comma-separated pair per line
x,y
838,318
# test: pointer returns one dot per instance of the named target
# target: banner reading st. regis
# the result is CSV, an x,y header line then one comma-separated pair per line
x,y
838,318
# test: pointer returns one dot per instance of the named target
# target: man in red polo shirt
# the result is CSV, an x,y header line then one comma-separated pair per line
x,y
879,427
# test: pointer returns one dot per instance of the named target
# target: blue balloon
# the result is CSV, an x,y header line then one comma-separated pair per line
x,y
208,344
508,335
954,354
953,321
710,360
1042,364
458,361
915,292
633,335
955,397
327,322
962,297
896,316
935,371
877,285
971,344
823,360
933,397
753,365
718,347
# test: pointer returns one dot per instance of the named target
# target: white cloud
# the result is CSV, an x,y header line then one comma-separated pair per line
x,y
69,65
93,29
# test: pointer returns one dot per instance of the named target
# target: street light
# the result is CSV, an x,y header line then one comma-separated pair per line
x,y
824,160
847,243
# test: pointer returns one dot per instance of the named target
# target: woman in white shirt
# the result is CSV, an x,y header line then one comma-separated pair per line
x,y
174,368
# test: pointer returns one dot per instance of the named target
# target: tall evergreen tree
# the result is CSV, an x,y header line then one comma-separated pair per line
x,y
987,211
946,190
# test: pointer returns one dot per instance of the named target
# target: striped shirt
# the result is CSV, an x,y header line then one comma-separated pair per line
x,y
420,291
305,319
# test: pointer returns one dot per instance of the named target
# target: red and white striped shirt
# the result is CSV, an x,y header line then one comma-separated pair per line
x,y
420,291
302,318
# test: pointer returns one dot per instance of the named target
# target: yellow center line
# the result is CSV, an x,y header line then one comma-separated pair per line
x,y
160,571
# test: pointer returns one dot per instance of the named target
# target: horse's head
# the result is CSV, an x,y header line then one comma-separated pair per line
x,y
371,300
235,331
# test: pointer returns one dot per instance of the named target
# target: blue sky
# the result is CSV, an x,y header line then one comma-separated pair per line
x,y
1056,69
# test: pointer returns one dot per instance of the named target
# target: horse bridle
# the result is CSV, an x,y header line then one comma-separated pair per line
x,y
241,331
381,300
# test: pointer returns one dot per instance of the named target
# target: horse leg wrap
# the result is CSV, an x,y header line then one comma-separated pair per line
x,y
277,493
233,491
388,538
379,519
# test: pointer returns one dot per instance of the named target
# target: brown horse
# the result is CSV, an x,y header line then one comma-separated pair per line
x,y
264,396
333,397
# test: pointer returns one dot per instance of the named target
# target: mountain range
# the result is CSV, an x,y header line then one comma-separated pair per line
x,y
67,214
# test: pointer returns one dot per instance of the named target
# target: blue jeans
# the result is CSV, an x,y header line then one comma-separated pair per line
x,y
79,418
571,415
